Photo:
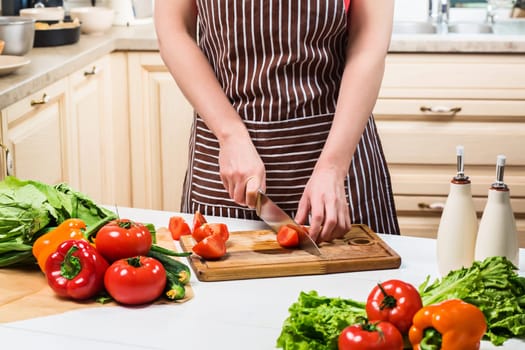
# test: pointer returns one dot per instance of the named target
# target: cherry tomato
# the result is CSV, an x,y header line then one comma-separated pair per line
x,y
178,227
287,237
208,229
371,336
198,219
123,238
211,248
394,301
136,280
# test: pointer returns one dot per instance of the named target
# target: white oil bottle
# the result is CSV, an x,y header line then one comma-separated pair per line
x,y
458,227
497,235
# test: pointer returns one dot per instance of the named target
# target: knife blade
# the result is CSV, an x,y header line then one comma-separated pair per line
x,y
275,217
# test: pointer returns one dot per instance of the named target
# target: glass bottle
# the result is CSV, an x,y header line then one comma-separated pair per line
x,y
497,235
458,226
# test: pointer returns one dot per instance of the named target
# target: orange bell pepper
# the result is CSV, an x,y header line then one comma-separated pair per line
x,y
450,325
46,244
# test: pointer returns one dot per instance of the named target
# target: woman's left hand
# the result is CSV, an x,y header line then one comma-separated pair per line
x,y
324,198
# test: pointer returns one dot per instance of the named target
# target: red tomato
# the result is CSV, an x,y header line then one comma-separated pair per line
x,y
198,219
136,280
394,301
178,227
211,248
208,229
123,238
287,237
371,336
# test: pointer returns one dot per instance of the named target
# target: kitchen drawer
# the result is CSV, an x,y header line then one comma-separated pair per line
x,y
450,110
454,76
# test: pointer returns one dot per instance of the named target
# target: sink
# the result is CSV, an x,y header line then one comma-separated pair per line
x,y
413,28
500,27
514,26
470,28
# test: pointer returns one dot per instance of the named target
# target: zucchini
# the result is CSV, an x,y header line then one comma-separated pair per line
x,y
175,289
172,266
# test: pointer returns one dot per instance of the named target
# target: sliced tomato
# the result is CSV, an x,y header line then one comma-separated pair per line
x,y
211,248
178,227
209,229
198,220
287,237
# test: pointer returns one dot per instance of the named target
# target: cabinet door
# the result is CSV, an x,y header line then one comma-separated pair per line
x,y
33,131
98,162
160,123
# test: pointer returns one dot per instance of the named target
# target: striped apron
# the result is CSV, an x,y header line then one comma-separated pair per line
x,y
280,64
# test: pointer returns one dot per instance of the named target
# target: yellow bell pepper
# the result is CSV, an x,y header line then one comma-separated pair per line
x,y
46,244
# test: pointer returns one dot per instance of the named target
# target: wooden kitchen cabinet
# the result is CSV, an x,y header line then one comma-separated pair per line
x,y
97,131
160,123
429,104
34,132
74,131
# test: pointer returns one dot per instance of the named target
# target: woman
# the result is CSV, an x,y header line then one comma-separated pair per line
x,y
283,91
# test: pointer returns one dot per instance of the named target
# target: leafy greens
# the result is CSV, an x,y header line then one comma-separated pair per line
x,y
30,208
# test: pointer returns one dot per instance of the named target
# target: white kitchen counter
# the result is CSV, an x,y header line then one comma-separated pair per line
x,y
241,315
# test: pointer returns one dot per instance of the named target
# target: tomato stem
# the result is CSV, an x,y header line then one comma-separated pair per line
x,y
134,261
125,224
389,302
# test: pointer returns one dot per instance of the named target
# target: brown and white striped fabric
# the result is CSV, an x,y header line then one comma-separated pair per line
x,y
280,63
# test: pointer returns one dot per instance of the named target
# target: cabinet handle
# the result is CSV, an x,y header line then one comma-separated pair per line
x,y
43,100
8,160
433,206
93,71
440,109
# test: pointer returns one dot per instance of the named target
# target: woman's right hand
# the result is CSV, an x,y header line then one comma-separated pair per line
x,y
242,170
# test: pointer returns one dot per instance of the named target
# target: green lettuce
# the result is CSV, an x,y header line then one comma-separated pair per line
x,y
315,322
30,208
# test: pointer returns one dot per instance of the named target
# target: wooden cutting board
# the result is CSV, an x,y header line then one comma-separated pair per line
x,y
256,254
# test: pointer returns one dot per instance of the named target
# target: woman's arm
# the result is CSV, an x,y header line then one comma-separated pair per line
x,y
369,38
175,23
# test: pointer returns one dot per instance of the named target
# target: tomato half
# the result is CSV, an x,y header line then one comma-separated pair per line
x,y
123,238
394,301
211,248
208,229
287,237
136,280
198,219
370,336
178,227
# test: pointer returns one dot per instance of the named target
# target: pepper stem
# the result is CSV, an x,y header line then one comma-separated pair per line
x,y
70,266
431,340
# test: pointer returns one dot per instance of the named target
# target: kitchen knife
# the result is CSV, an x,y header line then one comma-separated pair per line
x,y
275,217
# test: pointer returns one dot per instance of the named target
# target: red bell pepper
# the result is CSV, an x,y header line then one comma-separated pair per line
x,y
76,270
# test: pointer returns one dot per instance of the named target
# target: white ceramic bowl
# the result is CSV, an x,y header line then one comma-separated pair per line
x,y
43,13
93,20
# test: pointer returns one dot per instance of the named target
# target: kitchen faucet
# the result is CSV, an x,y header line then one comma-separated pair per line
x,y
442,16
490,13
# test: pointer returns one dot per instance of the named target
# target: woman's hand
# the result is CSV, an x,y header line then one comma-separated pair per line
x,y
325,200
242,170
